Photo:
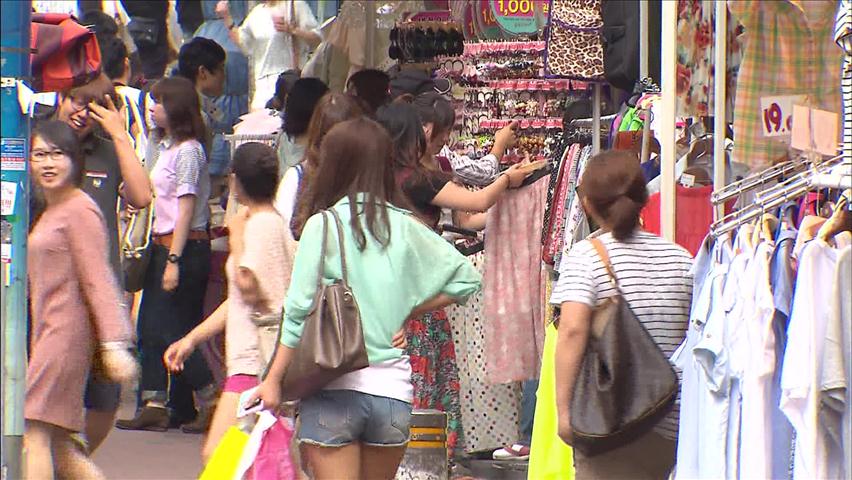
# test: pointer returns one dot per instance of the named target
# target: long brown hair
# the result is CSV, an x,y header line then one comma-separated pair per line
x,y
355,157
178,97
614,187
333,108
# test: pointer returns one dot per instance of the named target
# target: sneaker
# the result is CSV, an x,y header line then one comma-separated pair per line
x,y
515,452
154,419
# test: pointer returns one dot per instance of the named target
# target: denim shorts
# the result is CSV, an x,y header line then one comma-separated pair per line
x,y
336,418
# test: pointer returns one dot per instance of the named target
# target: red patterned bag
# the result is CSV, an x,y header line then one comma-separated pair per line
x,y
65,53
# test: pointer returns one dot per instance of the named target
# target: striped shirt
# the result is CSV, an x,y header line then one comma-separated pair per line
x,y
655,278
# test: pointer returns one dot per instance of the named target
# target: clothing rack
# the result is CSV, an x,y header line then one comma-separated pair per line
x,y
756,180
791,189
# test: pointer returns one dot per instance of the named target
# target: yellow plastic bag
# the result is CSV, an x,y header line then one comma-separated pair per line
x,y
223,464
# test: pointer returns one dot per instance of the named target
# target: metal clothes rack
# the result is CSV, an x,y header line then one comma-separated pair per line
x,y
759,179
832,173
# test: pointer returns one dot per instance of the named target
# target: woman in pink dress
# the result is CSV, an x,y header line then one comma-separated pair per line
x,y
77,309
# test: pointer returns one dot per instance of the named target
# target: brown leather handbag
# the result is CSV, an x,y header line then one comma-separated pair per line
x,y
332,342
625,385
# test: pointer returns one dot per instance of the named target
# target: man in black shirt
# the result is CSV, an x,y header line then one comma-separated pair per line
x,y
150,33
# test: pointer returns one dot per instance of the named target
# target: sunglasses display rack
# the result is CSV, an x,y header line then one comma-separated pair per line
x,y
425,41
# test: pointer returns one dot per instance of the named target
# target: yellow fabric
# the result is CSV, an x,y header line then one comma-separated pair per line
x,y
226,458
550,458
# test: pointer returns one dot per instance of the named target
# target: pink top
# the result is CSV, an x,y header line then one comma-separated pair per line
x,y
181,169
268,252
76,304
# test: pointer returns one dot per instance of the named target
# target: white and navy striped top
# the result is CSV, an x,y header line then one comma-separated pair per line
x,y
654,277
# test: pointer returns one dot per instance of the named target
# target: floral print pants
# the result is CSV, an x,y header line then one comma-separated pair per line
x,y
434,372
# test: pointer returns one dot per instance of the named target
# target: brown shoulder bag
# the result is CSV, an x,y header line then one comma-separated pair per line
x,y
625,385
332,342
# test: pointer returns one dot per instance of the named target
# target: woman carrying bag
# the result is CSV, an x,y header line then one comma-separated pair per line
x,y
626,295
356,427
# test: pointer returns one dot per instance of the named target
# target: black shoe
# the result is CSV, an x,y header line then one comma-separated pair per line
x,y
201,423
154,419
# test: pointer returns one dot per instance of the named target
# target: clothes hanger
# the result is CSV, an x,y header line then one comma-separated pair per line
x,y
840,220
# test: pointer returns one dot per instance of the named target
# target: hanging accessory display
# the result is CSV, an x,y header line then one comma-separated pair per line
x,y
625,385
423,41
332,342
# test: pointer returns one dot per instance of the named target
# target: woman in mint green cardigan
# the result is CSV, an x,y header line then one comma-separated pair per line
x,y
357,427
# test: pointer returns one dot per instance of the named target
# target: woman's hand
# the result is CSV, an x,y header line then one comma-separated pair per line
x,y
177,353
111,119
399,340
565,431
222,10
516,176
269,393
505,137
283,26
171,276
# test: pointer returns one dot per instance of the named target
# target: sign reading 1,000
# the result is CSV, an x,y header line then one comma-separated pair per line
x,y
514,8
516,17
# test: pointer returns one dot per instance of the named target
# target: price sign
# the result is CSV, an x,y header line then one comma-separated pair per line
x,y
776,114
515,16
486,23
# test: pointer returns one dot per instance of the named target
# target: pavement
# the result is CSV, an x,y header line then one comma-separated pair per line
x,y
131,455
128,455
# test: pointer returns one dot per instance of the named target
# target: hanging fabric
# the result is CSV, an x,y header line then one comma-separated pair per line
x,y
513,285
574,47
789,50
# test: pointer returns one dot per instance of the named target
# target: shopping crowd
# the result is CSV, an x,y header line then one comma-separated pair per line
x,y
355,194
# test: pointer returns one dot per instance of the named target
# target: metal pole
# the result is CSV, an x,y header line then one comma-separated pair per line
x,y
596,119
643,39
370,33
668,106
720,68
14,130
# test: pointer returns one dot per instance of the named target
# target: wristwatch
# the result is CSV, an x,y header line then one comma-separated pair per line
x,y
172,258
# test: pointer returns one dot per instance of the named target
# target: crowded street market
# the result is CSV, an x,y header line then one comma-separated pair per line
x,y
598,239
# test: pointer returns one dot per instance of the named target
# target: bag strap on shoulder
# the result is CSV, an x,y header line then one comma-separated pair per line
x,y
604,256
324,248
339,225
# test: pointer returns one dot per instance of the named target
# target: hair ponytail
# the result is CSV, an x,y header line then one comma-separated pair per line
x,y
614,187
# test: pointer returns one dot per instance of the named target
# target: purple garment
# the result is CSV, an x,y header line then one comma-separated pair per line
x,y
181,169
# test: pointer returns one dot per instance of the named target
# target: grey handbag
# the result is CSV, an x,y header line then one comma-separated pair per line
x,y
625,385
332,342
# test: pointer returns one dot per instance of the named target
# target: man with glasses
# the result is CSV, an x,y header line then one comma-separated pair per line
x,y
111,169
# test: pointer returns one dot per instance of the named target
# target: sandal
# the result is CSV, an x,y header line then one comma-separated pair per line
x,y
513,452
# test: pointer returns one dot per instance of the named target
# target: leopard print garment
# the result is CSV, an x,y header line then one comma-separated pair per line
x,y
574,47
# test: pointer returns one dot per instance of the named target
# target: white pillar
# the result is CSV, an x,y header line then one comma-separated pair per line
x,y
668,105
720,67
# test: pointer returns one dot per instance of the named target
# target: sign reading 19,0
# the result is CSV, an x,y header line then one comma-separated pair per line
x,y
517,16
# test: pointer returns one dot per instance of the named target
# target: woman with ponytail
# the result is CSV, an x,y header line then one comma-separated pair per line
x,y
654,277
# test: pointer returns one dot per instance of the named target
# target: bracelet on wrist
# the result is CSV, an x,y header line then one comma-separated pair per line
x,y
107,346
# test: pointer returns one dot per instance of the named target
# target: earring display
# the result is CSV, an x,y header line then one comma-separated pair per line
x,y
504,82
